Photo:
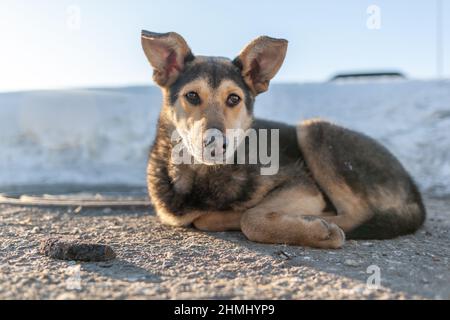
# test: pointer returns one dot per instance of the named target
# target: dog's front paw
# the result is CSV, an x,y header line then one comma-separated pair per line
x,y
327,235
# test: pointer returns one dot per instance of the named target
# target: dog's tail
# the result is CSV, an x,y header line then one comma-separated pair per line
x,y
393,222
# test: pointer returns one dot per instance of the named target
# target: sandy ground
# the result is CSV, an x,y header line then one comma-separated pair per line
x,y
159,262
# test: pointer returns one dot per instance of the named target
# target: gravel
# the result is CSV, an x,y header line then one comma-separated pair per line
x,y
159,262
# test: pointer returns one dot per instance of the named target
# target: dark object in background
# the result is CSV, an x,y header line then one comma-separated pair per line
x,y
61,249
368,75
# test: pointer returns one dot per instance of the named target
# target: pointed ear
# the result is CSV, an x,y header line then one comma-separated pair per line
x,y
260,62
167,53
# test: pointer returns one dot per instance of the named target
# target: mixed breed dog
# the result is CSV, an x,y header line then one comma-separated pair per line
x,y
206,170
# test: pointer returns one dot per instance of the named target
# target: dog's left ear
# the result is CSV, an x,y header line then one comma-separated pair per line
x,y
260,62
167,53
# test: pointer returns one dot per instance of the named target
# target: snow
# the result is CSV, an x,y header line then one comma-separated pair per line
x,y
102,136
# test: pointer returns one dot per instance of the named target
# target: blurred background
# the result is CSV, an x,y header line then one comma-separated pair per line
x,y
78,108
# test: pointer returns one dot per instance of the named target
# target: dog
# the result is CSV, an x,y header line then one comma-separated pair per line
x,y
332,183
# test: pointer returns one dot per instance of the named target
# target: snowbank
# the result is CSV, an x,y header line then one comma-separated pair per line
x,y
102,136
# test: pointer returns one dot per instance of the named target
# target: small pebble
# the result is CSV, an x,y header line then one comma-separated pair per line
x,y
436,259
105,264
35,230
167,264
352,263
283,255
75,231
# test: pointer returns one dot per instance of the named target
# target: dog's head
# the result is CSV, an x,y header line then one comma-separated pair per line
x,y
205,98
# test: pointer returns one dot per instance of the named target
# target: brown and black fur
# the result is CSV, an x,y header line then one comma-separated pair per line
x,y
332,182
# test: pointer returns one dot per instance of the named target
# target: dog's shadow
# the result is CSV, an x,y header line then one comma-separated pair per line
x,y
357,261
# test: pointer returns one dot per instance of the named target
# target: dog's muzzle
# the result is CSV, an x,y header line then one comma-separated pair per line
x,y
214,143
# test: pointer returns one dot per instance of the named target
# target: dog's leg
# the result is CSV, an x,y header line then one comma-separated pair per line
x,y
372,193
288,217
219,221
282,228
351,209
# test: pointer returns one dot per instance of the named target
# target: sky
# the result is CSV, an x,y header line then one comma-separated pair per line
x,y
52,44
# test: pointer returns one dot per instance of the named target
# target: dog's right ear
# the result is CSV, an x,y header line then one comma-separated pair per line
x,y
167,53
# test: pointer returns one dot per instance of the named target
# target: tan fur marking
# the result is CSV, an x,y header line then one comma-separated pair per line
x,y
264,186
394,201
295,200
200,86
386,200
292,216
176,221
236,117
219,221
352,210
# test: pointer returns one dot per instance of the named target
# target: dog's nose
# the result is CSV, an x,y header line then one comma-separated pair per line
x,y
225,143
214,136
211,140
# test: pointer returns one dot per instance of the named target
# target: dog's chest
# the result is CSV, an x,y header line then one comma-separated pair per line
x,y
214,189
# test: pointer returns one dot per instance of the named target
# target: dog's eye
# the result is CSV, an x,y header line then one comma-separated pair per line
x,y
233,100
193,98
